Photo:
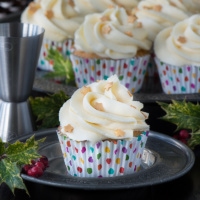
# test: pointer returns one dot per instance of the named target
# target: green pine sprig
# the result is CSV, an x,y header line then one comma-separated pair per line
x,y
62,67
185,115
46,109
13,157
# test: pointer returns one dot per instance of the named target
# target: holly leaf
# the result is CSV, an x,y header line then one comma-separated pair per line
x,y
22,153
62,67
10,174
194,140
185,115
46,109
13,157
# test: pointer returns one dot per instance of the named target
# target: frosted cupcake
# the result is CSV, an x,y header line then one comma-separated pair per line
x,y
156,15
110,43
90,6
60,21
102,130
177,51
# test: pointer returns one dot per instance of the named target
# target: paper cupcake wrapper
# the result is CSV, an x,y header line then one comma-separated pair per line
x,y
178,80
64,47
103,159
151,67
131,72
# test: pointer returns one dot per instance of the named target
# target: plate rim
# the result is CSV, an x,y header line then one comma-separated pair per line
x,y
49,178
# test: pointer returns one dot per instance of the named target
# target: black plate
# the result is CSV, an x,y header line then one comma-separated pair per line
x,y
172,159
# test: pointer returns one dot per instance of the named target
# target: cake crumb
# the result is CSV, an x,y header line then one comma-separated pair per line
x,y
85,90
119,133
182,39
98,106
136,133
68,128
108,86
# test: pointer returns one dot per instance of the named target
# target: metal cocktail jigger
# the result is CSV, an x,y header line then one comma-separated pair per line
x,y
20,46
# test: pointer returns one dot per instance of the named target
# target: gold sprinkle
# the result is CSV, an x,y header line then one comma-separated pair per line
x,y
98,106
131,19
147,7
105,18
69,128
110,6
49,14
136,133
108,86
119,133
129,33
85,90
145,116
133,106
71,3
33,7
130,94
157,8
106,29
139,25
182,39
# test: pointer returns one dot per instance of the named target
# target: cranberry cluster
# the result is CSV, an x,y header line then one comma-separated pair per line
x,y
183,136
37,167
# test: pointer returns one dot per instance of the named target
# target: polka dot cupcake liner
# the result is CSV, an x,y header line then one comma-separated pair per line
x,y
64,48
151,67
178,80
103,159
131,72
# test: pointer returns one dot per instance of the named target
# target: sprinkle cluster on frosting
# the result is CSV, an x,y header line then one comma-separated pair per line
x,y
59,18
179,45
111,34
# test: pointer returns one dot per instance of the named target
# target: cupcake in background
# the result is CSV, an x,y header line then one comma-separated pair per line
x,y
85,7
156,15
111,42
177,51
60,21
102,130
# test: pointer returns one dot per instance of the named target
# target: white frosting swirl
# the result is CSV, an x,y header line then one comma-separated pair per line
x,y
118,112
158,14
111,34
90,6
57,17
180,45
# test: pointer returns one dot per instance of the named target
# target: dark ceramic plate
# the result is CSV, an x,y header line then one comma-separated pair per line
x,y
164,159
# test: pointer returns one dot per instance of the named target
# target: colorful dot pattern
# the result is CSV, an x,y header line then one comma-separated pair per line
x,y
103,159
63,47
131,72
178,80
151,68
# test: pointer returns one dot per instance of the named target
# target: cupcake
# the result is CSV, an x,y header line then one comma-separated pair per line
x,y
177,56
102,130
60,21
111,42
156,15
90,6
